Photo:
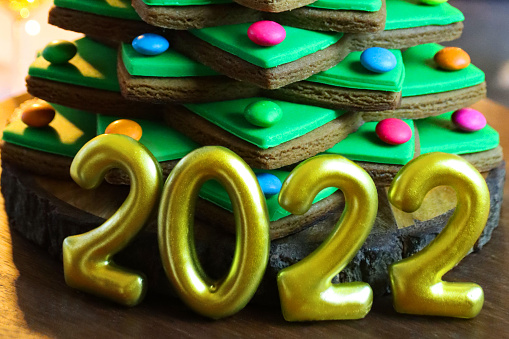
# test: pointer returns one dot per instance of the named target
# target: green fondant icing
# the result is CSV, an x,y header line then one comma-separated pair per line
x,y
65,135
168,64
423,76
358,5
297,44
413,13
364,145
216,194
438,134
297,120
350,73
95,65
112,8
164,142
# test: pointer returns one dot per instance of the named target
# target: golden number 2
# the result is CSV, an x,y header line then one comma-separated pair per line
x,y
224,297
88,264
305,288
416,281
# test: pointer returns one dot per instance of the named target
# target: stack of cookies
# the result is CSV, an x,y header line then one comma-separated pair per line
x,y
277,82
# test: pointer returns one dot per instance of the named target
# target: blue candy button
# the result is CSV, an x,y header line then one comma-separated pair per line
x,y
269,183
378,60
150,44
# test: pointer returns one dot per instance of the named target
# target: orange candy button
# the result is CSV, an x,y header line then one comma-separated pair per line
x,y
38,114
126,127
452,58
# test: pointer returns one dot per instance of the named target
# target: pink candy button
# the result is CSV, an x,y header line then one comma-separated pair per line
x,y
469,119
266,33
393,131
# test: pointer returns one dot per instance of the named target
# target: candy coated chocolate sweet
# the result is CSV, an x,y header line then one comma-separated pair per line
x,y
269,183
126,127
378,60
266,33
263,113
59,51
469,119
38,115
452,59
150,44
433,2
393,131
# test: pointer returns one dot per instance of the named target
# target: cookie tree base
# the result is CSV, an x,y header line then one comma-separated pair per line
x,y
34,210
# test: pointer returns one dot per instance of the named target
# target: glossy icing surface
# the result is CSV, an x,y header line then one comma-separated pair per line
x,y
350,73
167,64
359,5
413,13
296,121
438,134
95,65
65,135
162,141
297,44
364,145
423,76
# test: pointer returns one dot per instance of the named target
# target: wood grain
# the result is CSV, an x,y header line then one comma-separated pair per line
x,y
35,302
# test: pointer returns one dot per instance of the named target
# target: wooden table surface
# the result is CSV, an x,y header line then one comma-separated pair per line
x,y
35,301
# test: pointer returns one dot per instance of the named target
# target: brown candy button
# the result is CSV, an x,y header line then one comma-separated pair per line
x,y
452,58
38,114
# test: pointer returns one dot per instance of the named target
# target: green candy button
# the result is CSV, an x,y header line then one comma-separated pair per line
x,y
263,113
59,51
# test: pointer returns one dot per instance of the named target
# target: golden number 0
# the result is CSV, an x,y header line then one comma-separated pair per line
x,y
224,297
88,264
417,285
305,288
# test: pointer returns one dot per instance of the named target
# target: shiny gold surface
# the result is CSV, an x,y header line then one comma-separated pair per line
x,y
209,297
36,303
416,281
305,288
88,263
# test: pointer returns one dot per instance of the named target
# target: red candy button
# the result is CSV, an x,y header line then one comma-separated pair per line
x,y
393,131
266,33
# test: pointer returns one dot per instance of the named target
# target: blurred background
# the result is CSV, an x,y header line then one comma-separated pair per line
x,y
23,31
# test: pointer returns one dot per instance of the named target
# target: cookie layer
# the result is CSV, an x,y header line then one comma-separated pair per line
x,y
353,87
90,99
99,26
422,106
88,82
269,78
181,89
290,152
187,17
